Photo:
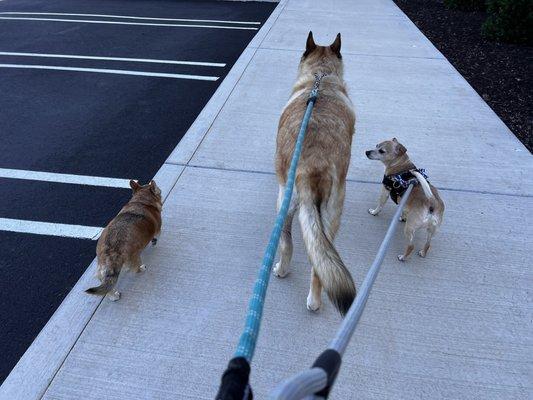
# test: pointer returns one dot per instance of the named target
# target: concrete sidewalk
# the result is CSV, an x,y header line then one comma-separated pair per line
x,y
456,325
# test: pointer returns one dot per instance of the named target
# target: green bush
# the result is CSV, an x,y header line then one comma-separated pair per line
x,y
465,5
509,21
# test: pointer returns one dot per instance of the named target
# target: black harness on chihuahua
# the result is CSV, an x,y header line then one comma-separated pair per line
x,y
397,184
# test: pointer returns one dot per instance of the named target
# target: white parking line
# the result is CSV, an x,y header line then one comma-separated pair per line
x,y
131,17
129,23
50,229
113,71
145,60
64,178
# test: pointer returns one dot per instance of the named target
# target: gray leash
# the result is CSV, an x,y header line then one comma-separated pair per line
x,y
316,383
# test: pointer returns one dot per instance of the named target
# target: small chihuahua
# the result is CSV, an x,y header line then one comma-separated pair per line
x,y
424,208
124,238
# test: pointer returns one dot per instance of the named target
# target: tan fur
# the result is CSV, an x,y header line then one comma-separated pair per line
x,y
321,173
122,241
424,208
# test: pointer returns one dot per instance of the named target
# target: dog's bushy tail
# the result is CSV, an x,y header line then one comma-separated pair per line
x,y
326,262
108,283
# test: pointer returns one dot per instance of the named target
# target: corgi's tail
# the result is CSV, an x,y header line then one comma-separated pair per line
x,y
423,183
108,283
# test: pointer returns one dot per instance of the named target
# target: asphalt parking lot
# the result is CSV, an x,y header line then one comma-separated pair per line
x,y
92,93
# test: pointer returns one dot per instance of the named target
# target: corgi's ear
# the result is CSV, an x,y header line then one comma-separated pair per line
x,y
336,46
310,44
134,185
154,188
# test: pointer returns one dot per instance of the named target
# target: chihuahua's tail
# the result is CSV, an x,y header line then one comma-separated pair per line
x,y
108,282
423,183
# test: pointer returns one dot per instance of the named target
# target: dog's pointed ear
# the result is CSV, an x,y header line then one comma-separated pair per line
x,y
400,148
336,46
134,185
395,140
153,187
310,45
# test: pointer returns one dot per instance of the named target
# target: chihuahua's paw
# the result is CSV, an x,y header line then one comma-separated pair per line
x,y
402,258
373,211
142,268
422,253
154,241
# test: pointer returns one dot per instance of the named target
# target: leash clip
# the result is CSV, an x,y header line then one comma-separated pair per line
x,y
399,182
314,92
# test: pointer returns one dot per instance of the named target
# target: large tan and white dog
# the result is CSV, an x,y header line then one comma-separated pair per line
x,y
321,173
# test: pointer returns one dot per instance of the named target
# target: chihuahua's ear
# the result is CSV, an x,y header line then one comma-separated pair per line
x,y
400,148
336,46
310,44
134,185
395,140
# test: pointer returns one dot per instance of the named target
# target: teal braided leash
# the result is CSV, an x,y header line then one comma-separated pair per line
x,y
248,339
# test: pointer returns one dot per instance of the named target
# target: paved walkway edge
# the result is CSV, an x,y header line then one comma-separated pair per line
x,y
37,368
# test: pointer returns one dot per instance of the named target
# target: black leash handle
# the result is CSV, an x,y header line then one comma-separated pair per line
x,y
234,383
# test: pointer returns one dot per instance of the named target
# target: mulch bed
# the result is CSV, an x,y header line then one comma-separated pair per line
x,y
500,72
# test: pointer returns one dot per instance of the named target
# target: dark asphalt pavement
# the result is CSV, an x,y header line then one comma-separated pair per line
x,y
92,123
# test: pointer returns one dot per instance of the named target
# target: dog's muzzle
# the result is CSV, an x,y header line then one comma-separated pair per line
x,y
368,153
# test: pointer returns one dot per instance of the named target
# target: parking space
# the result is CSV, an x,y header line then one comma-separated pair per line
x,y
92,93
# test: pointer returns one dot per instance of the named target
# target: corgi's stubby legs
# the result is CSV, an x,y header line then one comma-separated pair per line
x,y
137,264
285,244
382,200
113,295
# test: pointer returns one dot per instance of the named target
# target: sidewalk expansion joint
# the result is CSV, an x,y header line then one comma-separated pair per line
x,y
248,171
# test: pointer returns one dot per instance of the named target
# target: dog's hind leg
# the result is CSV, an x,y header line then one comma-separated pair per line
x,y
430,232
314,298
330,212
136,264
410,234
330,216
285,245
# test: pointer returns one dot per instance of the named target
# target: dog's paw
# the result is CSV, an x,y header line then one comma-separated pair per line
x,y
154,241
313,304
142,268
114,295
402,219
373,211
422,253
402,258
280,272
